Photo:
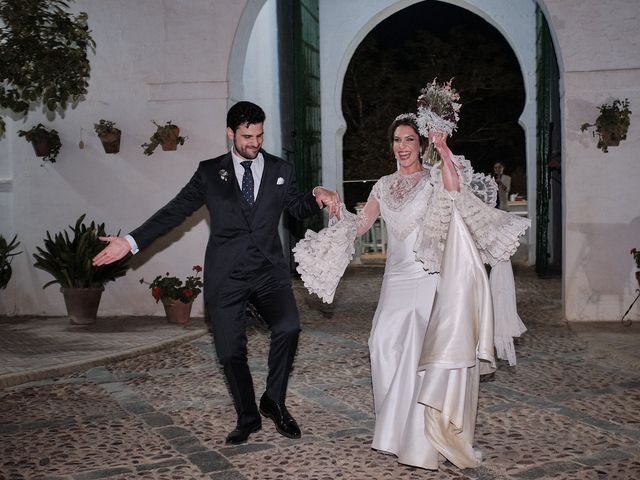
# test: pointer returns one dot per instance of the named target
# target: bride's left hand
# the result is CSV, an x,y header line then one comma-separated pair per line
x,y
449,174
439,140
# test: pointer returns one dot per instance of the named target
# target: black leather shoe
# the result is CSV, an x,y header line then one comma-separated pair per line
x,y
241,434
285,424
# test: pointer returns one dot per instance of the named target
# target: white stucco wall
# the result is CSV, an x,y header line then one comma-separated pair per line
x,y
343,26
598,43
155,59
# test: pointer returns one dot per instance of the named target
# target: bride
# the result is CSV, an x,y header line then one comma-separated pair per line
x,y
432,333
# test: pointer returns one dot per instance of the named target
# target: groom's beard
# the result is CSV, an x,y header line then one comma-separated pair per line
x,y
247,152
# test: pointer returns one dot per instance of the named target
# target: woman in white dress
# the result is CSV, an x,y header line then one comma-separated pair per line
x,y
432,333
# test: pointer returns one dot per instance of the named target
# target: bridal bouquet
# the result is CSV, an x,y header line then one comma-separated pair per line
x,y
438,109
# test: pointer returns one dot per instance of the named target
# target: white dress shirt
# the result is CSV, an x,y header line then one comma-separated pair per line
x,y
257,167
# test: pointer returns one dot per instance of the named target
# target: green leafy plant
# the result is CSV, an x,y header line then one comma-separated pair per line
x,y
172,287
105,127
45,142
636,257
612,124
168,136
6,254
68,257
43,49
109,135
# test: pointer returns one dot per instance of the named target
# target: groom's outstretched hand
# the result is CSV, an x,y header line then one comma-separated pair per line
x,y
118,247
329,199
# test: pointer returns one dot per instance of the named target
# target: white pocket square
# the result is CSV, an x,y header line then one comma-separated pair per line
x,y
280,181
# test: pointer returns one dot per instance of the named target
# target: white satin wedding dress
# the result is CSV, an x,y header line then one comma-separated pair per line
x,y
432,332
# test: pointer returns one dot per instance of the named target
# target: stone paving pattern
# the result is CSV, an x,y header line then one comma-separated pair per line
x,y
569,410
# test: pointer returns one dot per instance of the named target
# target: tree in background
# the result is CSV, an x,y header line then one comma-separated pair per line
x,y
44,55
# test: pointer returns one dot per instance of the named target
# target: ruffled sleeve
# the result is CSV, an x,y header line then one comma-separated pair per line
x,y
495,232
323,256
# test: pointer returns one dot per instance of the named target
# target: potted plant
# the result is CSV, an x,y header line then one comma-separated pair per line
x,y
6,254
612,124
109,135
68,259
636,257
45,50
46,143
176,296
167,136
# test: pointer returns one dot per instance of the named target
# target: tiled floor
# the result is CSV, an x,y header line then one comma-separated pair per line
x,y
569,410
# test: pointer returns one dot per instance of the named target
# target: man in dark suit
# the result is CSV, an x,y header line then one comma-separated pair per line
x,y
245,191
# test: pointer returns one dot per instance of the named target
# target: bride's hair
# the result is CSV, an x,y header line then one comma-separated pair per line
x,y
410,120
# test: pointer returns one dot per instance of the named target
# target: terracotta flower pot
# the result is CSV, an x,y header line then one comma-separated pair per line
x,y
111,142
177,311
42,147
82,304
170,143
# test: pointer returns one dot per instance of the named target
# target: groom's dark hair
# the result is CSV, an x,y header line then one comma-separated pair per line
x,y
244,113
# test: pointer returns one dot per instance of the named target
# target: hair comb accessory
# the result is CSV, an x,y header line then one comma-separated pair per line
x,y
407,116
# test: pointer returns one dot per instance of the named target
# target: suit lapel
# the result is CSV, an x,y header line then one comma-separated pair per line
x,y
229,181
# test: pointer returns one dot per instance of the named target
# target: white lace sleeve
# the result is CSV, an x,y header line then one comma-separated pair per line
x,y
495,232
323,256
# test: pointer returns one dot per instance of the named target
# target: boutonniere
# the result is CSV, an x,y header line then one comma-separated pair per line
x,y
224,175
280,181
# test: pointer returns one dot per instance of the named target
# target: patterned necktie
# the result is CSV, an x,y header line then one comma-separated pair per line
x,y
247,182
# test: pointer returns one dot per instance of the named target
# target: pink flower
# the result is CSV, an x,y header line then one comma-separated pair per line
x,y
197,268
155,291
187,292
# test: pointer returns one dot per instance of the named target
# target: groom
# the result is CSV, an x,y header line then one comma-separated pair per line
x,y
245,191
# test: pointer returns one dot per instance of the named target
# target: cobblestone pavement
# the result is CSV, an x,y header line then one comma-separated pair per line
x,y
569,410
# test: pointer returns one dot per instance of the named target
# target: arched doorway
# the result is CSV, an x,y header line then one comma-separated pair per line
x,y
403,53
339,41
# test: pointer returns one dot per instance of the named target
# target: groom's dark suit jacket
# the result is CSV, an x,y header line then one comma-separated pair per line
x,y
235,228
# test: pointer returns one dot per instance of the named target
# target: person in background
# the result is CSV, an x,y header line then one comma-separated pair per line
x,y
504,186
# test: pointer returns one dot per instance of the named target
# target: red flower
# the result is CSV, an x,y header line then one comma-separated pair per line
x,y
155,291
197,268
187,292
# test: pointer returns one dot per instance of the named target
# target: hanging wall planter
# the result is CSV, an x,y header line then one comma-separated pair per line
x,y
167,136
46,143
612,124
109,135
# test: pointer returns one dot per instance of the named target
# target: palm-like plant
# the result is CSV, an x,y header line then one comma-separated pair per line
x,y
6,252
68,257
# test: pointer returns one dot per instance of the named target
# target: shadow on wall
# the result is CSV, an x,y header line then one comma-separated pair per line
x,y
200,215
608,270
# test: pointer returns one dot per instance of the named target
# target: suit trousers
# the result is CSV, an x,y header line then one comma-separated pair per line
x,y
269,290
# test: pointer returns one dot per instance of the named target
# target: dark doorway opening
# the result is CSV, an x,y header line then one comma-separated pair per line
x,y
399,57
